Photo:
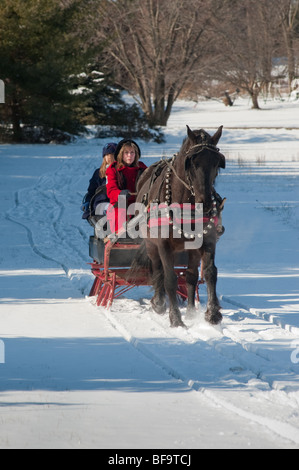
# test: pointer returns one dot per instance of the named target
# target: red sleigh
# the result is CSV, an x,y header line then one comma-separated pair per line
x,y
111,265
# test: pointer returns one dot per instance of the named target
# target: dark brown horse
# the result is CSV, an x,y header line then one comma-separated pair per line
x,y
187,178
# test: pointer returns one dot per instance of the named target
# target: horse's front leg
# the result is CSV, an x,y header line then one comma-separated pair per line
x,y
192,280
158,301
212,314
170,284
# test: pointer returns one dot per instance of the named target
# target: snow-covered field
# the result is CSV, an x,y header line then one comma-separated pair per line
x,y
73,375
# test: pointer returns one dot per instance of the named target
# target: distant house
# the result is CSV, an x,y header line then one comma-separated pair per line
x,y
295,89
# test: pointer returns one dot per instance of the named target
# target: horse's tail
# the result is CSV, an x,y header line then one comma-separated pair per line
x,y
140,262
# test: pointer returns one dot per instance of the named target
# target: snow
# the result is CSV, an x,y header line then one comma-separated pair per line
x,y
73,375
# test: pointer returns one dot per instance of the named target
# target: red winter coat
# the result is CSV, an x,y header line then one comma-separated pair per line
x,y
119,179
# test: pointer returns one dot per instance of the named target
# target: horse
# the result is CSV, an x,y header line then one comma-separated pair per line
x,y
187,178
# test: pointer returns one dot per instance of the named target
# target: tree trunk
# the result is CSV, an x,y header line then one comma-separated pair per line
x,y
159,100
254,97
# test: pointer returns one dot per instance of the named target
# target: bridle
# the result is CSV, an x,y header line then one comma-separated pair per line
x,y
170,168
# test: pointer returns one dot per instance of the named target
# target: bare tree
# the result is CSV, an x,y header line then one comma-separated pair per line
x,y
288,10
249,33
159,48
155,46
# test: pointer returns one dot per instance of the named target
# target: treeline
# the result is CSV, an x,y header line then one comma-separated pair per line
x,y
65,63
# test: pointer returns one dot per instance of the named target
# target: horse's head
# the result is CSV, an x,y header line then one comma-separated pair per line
x,y
202,163
201,137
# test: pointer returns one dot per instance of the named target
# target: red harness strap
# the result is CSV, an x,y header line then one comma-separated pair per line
x,y
164,220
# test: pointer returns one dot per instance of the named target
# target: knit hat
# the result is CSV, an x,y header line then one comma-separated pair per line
x,y
109,148
126,142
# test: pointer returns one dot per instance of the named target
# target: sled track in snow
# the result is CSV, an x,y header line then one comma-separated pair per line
x,y
55,231
265,316
241,366
32,244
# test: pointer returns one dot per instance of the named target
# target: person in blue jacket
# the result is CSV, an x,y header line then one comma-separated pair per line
x,y
96,201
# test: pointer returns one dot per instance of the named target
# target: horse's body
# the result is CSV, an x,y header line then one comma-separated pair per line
x,y
189,178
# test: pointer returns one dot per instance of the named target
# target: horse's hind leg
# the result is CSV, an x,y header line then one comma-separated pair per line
x,y
212,314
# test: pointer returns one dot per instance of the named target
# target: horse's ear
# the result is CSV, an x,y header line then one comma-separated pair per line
x,y
191,134
217,135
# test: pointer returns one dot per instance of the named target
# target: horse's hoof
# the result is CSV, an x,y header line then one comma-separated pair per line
x,y
213,319
177,323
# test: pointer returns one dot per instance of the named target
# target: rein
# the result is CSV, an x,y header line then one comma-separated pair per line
x,y
189,187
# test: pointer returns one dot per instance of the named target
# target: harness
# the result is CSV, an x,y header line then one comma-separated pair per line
x,y
164,215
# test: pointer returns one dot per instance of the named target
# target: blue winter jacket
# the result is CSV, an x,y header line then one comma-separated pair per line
x,y
96,193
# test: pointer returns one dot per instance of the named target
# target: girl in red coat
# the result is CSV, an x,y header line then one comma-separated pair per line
x,y
122,176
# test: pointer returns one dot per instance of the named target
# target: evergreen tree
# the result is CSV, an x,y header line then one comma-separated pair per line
x,y
98,100
39,50
100,103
